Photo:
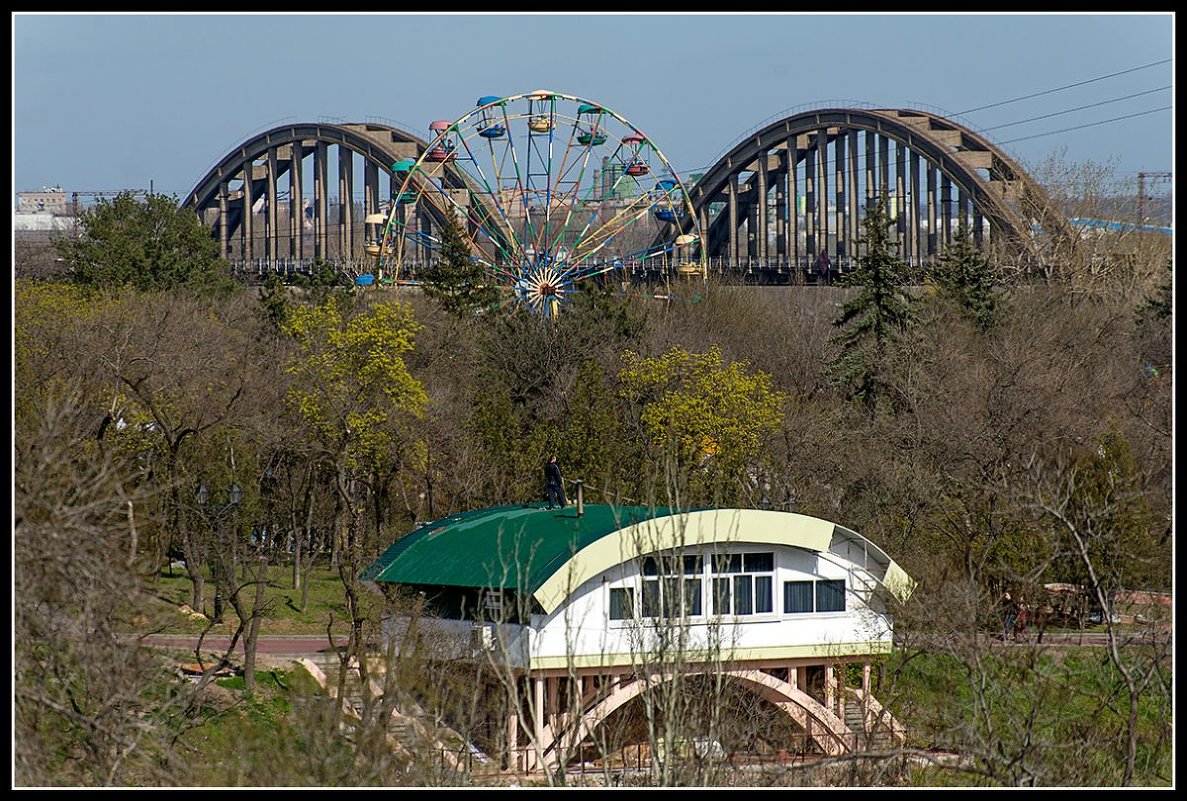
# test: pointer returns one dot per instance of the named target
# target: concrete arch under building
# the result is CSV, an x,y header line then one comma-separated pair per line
x,y
812,160
822,725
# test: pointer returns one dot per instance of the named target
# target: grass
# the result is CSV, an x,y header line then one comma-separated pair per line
x,y
283,615
1060,713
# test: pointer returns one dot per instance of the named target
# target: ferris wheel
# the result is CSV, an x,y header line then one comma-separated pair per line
x,y
548,190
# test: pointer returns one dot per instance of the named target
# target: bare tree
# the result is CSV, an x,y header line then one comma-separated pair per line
x,y
91,707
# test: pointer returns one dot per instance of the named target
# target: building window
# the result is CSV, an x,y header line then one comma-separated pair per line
x,y
746,589
830,596
667,592
671,597
670,565
622,603
797,597
801,597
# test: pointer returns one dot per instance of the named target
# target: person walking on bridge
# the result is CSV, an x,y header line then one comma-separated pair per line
x,y
825,266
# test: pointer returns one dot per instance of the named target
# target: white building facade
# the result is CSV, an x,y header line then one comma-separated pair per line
x,y
593,609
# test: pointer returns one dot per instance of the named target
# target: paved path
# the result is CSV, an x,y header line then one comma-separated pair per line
x,y
310,644
272,645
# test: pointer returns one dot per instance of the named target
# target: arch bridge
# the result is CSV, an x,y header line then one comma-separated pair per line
x,y
768,208
258,202
798,187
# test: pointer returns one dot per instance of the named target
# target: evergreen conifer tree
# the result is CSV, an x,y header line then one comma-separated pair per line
x,y
874,318
456,280
964,275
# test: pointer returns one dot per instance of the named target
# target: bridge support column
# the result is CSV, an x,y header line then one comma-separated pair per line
x,y
751,235
222,221
345,203
793,199
913,191
946,210
733,220
781,222
810,206
320,202
370,199
839,186
871,168
247,227
900,198
273,240
296,203
761,231
884,172
704,244
932,241
822,189
854,212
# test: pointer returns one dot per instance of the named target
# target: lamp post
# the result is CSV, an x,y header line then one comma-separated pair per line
x,y
216,513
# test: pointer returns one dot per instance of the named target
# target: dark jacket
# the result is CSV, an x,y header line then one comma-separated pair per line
x,y
552,473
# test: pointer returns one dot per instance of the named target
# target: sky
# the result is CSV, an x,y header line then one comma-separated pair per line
x,y
139,101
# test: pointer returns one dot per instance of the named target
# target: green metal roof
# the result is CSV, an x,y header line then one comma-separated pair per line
x,y
512,547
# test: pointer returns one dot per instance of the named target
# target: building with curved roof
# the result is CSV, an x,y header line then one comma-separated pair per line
x,y
599,598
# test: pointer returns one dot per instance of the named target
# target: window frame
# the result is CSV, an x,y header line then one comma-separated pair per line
x,y
731,571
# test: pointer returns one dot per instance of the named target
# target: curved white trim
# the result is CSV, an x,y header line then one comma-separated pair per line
x,y
692,529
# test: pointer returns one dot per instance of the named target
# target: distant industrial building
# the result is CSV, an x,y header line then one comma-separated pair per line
x,y
50,200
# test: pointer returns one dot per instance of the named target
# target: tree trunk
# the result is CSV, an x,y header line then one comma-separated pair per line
x,y
251,638
190,544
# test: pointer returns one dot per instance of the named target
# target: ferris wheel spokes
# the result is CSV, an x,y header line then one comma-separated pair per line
x,y
561,191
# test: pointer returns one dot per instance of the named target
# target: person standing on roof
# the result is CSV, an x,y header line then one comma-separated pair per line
x,y
554,483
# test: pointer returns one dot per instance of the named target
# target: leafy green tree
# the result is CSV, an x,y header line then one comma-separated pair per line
x,y
511,447
47,316
964,275
353,390
149,244
872,320
456,280
1105,506
593,436
711,416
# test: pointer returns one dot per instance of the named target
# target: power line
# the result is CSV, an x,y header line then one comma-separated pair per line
x,y
861,156
1077,108
1087,125
1069,86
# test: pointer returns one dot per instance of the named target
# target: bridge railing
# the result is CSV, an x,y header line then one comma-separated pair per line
x,y
857,104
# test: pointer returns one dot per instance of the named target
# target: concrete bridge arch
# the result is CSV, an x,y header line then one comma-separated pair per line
x,y
823,166
278,232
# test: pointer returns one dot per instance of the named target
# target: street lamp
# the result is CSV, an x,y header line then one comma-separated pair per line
x,y
218,512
